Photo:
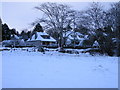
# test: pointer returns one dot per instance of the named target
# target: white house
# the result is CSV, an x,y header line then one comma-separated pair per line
x,y
72,37
41,39
14,41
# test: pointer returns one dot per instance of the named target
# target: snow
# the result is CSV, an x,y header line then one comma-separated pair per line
x,y
71,34
95,43
77,34
15,37
26,69
42,39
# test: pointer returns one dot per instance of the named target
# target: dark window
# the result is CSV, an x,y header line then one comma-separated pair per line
x,y
81,36
45,43
45,36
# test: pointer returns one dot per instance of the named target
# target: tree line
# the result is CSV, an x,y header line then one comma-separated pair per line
x,y
101,25
7,33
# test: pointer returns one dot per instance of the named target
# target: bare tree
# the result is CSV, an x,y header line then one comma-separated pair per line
x,y
56,16
115,16
93,17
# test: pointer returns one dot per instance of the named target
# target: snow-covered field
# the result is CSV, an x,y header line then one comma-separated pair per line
x,y
23,69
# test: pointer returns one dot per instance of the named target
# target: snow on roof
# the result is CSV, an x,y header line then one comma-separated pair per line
x,y
67,33
70,35
15,37
95,43
39,37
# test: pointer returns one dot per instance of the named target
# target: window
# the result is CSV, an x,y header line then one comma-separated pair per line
x,y
45,36
73,36
80,36
45,43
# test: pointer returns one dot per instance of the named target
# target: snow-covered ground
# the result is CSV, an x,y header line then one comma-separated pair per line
x,y
23,69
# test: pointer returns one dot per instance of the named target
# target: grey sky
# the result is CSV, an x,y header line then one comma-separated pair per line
x,y
19,15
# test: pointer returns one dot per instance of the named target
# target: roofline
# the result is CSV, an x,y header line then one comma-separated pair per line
x,y
42,41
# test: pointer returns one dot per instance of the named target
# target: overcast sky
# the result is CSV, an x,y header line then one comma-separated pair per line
x,y
19,15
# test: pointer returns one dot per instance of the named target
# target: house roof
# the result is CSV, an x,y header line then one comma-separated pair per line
x,y
14,37
95,43
77,35
39,37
